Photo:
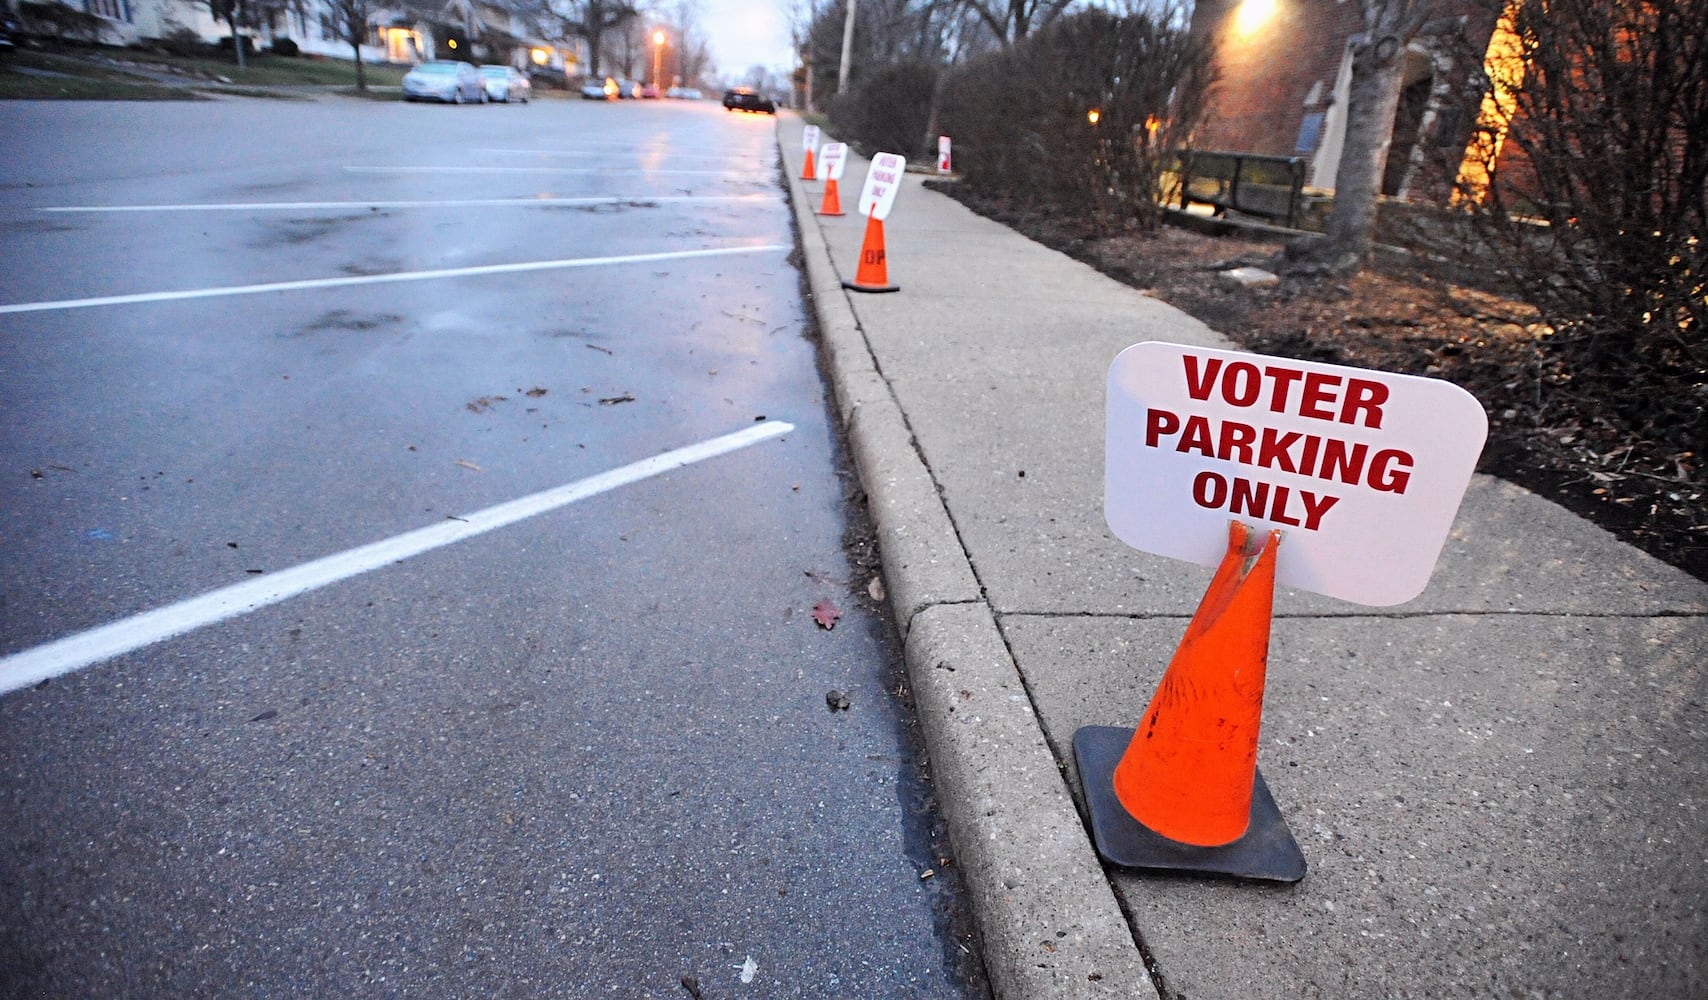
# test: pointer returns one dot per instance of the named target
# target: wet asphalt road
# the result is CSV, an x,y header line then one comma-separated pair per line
x,y
584,754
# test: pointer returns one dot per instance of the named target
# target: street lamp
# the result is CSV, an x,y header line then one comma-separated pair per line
x,y
657,55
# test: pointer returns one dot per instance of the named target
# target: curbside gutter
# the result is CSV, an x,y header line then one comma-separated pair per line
x,y
1048,920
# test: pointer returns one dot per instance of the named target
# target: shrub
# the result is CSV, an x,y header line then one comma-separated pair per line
x,y
59,21
890,110
286,47
1023,124
1593,192
182,41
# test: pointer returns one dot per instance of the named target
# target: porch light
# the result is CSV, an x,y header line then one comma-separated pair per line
x,y
1252,15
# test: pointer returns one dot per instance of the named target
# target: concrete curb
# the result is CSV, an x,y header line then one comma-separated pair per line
x,y
1047,917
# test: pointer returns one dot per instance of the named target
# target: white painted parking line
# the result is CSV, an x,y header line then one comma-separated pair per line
x,y
635,201
624,171
757,162
84,649
380,279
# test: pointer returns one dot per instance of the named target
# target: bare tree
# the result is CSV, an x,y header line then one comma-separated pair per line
x,y
347,20
1588,175
231,12
693,57
1013,20
1378,65
590,19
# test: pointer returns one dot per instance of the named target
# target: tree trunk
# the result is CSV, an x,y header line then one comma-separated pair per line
x,y
1373,97
237,39
1372,100
236,42
361,77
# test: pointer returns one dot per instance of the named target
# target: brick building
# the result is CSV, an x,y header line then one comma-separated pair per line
x,y
1284,67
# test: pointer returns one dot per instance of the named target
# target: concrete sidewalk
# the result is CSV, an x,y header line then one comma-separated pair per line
x,y
1501,787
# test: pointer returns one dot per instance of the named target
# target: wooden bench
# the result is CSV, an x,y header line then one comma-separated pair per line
x,y
1268,187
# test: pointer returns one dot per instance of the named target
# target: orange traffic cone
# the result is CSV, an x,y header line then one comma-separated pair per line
x,y
1188,772
832,204
808,171
873,274
1183,790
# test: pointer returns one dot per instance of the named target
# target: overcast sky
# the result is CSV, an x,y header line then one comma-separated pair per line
x,y
745,32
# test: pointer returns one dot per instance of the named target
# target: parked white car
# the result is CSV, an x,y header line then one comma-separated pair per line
x,y
506,83
444,80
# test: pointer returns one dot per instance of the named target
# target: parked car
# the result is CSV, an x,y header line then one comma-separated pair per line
x,y
599,90
627,89
748,99
506,83
650,91
444,80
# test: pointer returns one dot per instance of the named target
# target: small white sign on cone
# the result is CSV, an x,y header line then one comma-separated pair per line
x,y
882,182
831,161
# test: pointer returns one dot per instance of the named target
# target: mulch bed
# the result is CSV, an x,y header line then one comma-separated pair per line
x,y
1626,477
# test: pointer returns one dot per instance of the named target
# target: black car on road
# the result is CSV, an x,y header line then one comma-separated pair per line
x,y
748,99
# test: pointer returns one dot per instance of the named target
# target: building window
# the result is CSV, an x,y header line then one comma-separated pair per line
x,y
1310,132
112,9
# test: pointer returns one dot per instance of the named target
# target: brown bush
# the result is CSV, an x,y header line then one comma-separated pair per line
x,y
889,110
1023,124
1596,201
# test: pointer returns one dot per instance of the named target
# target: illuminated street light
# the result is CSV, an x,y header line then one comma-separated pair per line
x,y
657,56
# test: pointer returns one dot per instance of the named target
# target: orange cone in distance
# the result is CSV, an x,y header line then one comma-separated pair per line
x,y
832,204
808,171
873,274
1188,772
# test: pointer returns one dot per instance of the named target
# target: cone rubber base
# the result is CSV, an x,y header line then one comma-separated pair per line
x,y
851,286
1266,853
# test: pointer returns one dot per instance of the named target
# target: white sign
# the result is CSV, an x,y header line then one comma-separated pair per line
x,y
942,154
882,181
1362,470
809,139
831,159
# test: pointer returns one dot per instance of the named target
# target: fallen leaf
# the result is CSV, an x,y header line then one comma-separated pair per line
x,y
826,614
837,701
614,400
749,969
875,589
536,392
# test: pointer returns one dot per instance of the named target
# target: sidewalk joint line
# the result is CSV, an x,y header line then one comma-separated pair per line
x,y
1372,615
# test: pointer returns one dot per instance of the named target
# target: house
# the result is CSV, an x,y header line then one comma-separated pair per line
x,y
400,31
1284,67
